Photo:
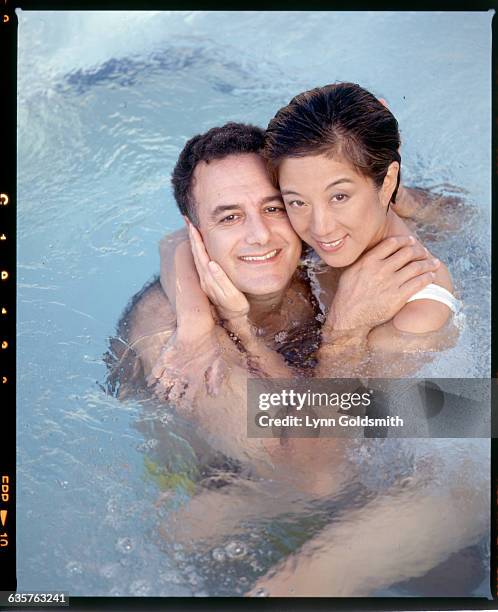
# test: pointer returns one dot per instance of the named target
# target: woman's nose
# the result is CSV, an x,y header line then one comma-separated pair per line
x,y
322,222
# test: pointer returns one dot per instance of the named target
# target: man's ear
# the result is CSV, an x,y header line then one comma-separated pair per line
x,y
389,184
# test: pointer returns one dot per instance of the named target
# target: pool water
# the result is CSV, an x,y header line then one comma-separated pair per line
x,y
105,103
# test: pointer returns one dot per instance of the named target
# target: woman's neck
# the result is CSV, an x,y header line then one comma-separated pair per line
x,y
393,226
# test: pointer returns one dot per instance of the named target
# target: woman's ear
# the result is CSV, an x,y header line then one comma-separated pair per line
x,y
389,184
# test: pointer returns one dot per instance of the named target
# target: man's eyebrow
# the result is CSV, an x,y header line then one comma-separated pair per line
x,y
271,198
333,184
223,208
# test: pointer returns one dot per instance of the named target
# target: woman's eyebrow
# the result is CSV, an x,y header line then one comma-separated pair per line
x,y
333,184
337,181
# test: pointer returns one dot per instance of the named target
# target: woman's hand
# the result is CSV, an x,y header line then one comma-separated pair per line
x,y
229,301
233,308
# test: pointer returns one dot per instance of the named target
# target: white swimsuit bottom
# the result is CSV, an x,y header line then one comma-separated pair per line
x,y
438,294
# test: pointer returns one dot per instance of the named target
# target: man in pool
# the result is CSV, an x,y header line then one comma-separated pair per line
x,y
240,216
222,186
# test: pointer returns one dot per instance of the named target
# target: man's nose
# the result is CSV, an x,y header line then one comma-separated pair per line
x,y
257,231
322,221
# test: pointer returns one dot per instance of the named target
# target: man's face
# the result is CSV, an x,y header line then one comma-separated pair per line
x,y
244,225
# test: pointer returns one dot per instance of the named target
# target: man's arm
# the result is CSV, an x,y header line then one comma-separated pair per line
x,y
432,212
149,326
370,293
208,387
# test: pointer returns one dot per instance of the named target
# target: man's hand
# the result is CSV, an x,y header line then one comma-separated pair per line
x,y
229,301
378,285
184,368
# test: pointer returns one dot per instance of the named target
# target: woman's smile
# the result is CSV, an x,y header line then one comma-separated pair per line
x,y
332,246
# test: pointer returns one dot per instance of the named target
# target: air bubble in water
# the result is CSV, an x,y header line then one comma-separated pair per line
x,y
236,550
218,554
73,568
109,570
125,545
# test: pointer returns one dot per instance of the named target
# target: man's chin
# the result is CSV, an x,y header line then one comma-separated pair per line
x,y
261,287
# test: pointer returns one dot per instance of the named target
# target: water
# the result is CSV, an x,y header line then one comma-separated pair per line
x,y
106,101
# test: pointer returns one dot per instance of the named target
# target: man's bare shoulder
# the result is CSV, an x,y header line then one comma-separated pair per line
x,y
144,327
150,313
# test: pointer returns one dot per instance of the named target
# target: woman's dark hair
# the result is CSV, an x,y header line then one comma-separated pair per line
x,y
217,143
343,120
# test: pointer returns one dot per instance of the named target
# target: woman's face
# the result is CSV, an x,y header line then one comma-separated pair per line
x,y
336,210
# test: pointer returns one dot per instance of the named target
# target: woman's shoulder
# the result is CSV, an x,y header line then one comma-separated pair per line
x,y
427,314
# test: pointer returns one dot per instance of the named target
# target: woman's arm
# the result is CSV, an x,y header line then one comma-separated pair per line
x,y
422,316
191,342
180,283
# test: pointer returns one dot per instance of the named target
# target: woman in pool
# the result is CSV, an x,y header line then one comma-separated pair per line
x,y
334,153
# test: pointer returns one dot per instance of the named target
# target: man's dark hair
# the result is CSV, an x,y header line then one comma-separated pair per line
x,y
217,143
341,119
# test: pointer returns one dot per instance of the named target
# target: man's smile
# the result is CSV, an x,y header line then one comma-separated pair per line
x,y
267,257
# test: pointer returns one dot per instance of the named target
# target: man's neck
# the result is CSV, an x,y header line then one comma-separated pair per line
x,y
261,306
273,313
